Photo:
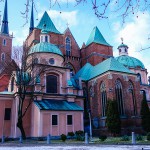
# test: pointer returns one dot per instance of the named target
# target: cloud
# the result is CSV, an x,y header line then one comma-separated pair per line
x,y
61,19
20,36
135,34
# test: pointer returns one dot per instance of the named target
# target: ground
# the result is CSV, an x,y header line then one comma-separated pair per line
x,y
77,147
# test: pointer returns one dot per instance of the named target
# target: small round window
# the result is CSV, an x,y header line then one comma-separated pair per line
x,y
51,61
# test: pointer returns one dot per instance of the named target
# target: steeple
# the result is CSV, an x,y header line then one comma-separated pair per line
x,y
31,20
4,28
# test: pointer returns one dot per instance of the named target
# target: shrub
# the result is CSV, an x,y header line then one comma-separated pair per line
x,y
103,137
113,118
145,114
70,133
125,138
148,136
139,137
63,137
80,135
79,132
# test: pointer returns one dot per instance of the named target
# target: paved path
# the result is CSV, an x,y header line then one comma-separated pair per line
x,y
89,147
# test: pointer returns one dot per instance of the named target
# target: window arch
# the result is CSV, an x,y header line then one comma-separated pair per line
x,y
68,46
131,90
3,57
119,97
51,84
103,98
72,72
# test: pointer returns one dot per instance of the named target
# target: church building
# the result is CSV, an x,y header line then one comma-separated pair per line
x,y
72,85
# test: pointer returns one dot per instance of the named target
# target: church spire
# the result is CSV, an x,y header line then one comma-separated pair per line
x,y
4,28
31,20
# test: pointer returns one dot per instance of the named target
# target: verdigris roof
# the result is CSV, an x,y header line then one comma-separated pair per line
x,y
129,61
57,105
49,26
88,71
122,45
96,37
46,48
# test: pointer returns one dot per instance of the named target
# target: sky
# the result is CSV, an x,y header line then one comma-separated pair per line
x,y
81,20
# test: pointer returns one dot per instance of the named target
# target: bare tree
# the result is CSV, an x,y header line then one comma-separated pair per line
x,y
24,78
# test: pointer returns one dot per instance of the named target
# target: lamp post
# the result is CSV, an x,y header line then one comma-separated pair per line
x,y
90,119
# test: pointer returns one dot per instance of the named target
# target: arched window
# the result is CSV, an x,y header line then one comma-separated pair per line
x,y
119,97
4,42
46,38
68,46
131,90
103,99
85,104
51,84
72,72
139,77
12,84
3,57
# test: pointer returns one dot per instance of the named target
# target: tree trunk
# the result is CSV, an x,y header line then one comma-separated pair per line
x,y
20,126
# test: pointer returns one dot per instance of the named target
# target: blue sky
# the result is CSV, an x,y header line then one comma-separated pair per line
x,y
81,20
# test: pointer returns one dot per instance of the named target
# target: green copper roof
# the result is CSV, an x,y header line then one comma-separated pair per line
x,y
122,45
129,61
88,71
49,26
45,47
96,37
57,105
6,92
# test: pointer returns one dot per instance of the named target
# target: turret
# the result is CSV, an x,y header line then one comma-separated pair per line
x,y
123,48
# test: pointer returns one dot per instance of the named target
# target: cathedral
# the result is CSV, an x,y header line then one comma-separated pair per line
x,y
72,85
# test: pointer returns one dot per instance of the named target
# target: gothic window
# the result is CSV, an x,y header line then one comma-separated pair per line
x,y
3,57
103,99
51,84
4,42
68,46
72,72
119,96
131,90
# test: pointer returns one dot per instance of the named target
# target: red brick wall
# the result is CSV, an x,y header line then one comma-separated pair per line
x,y
95,49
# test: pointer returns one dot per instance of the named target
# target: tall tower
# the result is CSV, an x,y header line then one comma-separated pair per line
x,y
31,20
5,38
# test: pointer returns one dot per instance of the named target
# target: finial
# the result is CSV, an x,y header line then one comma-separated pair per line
x,y
67,24
122,39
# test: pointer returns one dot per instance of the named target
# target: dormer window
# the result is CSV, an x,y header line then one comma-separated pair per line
x,y
44,38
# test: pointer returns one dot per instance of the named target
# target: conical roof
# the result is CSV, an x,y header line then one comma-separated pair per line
x,y
4,27
46,20
96,37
